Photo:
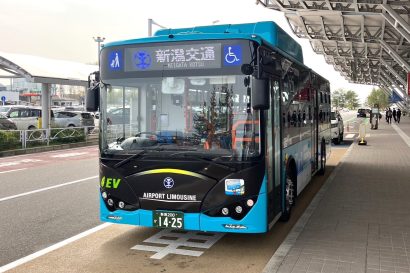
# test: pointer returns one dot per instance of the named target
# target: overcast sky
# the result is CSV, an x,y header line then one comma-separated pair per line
x,y
64,29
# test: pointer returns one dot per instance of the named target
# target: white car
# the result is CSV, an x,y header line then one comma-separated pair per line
x,y
63,119
337,130
26,117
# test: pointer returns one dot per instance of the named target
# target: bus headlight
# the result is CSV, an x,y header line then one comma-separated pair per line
x,y
110,202
225,211
104,195
238,209
250,203
121,205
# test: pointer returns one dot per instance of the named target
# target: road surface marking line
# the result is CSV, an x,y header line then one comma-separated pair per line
x,y
69,155
349,136
181,239
52,248
16,170
54,151
47,188
23,161
280,254
402,134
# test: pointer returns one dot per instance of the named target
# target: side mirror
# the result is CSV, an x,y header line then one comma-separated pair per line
x,y
92,101
260,94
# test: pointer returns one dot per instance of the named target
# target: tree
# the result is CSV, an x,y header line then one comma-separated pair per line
x,y
377,96
338,98
352,100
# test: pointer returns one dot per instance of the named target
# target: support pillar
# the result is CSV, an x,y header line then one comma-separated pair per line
x,y
45,105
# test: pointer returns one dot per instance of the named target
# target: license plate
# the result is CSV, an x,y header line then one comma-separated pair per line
x,y
168,219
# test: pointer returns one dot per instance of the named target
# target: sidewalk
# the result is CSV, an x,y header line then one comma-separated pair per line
x,y
360,220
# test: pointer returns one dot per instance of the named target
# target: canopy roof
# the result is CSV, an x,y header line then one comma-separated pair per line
x,y
43,70
367,41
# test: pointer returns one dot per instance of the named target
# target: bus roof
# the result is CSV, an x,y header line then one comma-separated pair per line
x,y
267,32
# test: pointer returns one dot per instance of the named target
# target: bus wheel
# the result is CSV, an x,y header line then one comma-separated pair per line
x,y
322,159
289,198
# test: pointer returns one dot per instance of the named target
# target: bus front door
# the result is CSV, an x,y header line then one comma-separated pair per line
x,y
273,147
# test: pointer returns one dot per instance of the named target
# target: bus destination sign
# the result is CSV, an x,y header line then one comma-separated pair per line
x,y
193,56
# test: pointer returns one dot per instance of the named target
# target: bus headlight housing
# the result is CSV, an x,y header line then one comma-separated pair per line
x,y
236,210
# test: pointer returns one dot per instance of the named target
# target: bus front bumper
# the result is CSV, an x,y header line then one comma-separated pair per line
x,y
254,222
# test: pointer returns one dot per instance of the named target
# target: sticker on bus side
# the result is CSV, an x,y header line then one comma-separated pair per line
x,y
234,187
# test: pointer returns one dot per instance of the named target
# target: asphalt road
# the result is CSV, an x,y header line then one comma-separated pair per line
x,y
37,206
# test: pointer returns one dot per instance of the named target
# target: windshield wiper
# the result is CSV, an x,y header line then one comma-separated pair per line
x,y
204,159
128,159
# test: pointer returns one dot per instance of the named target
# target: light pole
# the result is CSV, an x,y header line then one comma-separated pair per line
x,y
150,23
99,40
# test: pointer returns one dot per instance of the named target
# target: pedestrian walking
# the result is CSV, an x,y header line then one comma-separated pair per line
x,y
394,115
389,115
386,116
398,115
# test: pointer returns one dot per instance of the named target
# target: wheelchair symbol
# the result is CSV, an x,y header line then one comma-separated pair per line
x,y
231,58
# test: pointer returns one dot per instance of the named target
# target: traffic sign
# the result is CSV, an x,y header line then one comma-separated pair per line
x,y
3,99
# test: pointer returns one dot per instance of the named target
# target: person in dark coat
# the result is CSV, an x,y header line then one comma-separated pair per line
x,y
395,115
398,115
389,115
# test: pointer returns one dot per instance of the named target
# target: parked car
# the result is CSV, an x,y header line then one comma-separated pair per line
x,y
118,116
6,108
63,119
26,117
337,127
6,124
362,113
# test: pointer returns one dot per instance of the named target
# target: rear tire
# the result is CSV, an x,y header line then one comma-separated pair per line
x,y
290,195
322,169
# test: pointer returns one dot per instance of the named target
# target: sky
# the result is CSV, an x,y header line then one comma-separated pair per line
x,y
64,29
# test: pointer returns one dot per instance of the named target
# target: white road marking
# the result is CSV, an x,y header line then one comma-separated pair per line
x,y
47,188
53,152
349,136
402,134
18,162
69,155
52,248
16,170
182,237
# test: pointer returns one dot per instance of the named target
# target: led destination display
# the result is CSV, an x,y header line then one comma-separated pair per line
x,y
193,56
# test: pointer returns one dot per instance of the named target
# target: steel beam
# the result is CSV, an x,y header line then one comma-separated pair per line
x,y
393,82
397,20
394,72
395,56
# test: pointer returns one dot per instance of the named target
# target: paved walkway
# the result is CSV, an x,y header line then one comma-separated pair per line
x,y
360,220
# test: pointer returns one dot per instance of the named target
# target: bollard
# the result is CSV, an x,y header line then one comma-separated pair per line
x,y
362,134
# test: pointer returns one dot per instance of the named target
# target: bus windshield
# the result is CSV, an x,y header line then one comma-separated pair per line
x,y
208,116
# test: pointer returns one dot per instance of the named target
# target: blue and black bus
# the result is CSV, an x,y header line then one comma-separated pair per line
x,y
211,128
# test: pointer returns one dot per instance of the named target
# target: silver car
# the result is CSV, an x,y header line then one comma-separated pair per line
x,y
63,119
